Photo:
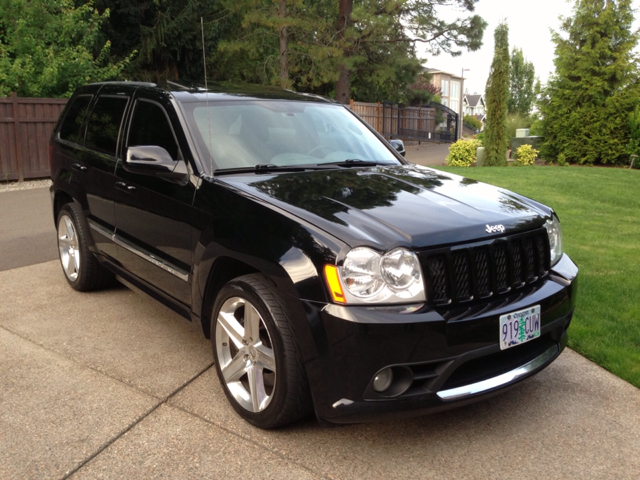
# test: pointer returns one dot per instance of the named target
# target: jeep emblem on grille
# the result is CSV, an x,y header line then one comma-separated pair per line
x,y
495,228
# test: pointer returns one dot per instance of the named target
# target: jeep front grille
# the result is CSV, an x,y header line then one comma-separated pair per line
x,y
485,269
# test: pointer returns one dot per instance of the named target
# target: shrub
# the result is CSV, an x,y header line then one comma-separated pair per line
x,y
562,160
472,122
526,155
462,153
480,138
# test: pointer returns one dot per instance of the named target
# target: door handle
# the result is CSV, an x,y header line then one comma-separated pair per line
x,y
125,188
78,168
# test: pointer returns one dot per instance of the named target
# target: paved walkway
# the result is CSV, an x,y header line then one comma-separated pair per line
x,y
113,385
428,153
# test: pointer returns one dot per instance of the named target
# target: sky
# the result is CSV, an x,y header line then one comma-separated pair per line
x,y
529,29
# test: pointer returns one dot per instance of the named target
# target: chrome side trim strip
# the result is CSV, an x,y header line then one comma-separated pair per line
x,y
500,380
100,229
149,257
181,274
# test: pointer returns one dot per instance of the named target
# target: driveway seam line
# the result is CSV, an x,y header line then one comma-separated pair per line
x,y
250,440
100,372
136,422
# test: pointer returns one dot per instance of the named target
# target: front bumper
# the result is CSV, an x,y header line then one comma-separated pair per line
x,y
448,358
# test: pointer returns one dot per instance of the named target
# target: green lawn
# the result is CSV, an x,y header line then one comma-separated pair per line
x,y
599,209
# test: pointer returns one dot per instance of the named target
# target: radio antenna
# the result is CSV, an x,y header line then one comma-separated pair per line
x,y
206,88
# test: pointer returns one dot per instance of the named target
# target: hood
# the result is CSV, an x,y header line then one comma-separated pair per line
x,y
386,207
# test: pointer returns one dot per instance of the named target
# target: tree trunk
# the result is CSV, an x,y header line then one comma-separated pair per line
x,y
343,85
284,37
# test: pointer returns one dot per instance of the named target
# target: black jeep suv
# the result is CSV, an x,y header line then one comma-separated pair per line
x,y
330,274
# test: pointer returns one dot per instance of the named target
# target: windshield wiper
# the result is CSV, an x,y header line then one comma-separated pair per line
x,y
356,162
266,168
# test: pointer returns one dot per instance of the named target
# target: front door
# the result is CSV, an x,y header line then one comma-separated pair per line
x,y
153,215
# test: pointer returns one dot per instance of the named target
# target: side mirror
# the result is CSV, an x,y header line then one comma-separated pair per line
x,y
154,160
398,145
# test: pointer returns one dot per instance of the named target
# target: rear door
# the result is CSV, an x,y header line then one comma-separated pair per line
x,y
153,214
95,163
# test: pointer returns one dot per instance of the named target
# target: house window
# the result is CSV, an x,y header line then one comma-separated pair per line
x,y
454,104
444,88
445,102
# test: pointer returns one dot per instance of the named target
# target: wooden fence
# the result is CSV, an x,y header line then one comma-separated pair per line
x,y
429,123
25,127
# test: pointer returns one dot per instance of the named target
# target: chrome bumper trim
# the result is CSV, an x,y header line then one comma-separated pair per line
x,y
500,380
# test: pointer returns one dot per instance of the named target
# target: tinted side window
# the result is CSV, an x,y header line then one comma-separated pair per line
x,y
104,124
150,126
74,120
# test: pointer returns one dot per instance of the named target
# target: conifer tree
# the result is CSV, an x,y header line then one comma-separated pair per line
x,y
497,93
587,103
522,77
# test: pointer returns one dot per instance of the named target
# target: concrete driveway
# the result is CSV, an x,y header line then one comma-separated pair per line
x,y
113,385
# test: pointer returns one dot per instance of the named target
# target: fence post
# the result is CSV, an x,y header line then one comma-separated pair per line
x,y
16,133
351,104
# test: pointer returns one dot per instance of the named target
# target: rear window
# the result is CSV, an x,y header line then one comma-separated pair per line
x,y
72,126
104,124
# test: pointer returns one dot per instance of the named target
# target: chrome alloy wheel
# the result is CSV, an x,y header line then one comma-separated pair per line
x,y
69,247
245,354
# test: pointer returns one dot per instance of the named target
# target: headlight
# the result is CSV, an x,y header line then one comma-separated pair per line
x,y
555,239
370,277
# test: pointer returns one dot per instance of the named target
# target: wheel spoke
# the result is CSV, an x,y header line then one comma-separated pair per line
x,y
71,232
235,369
256,385
266,358
64,242
233,328
251,324
70,267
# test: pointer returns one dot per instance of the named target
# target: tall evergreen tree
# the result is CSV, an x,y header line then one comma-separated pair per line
x,y
521,92
497,94
363,50
165,34
587,102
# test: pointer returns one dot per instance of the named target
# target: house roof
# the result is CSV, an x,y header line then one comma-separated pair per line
x,y
434,71
474,100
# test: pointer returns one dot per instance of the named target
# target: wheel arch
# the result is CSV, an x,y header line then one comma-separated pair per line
x,y
60,198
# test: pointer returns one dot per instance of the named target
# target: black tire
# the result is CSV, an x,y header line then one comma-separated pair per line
x,y
285,389
81,268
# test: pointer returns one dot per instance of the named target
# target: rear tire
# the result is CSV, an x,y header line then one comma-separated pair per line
x,y
255,354
81,268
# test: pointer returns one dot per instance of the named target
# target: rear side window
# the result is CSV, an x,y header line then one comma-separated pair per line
x,y
72,128
150,126
104,124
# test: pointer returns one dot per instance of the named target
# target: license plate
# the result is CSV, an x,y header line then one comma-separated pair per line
x,y
519,327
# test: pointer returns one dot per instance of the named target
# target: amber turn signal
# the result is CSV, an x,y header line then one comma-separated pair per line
x,y
333,282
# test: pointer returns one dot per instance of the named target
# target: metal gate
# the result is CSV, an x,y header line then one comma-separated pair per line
x,y
432,122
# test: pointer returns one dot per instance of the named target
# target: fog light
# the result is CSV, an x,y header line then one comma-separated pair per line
x,y
382,380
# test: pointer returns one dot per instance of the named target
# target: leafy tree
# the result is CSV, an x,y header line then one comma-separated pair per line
x,y
587,102
497,95
472,122
422,91
522,77
47,49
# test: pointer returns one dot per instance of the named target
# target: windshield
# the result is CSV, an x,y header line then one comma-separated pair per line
x,y
281,133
